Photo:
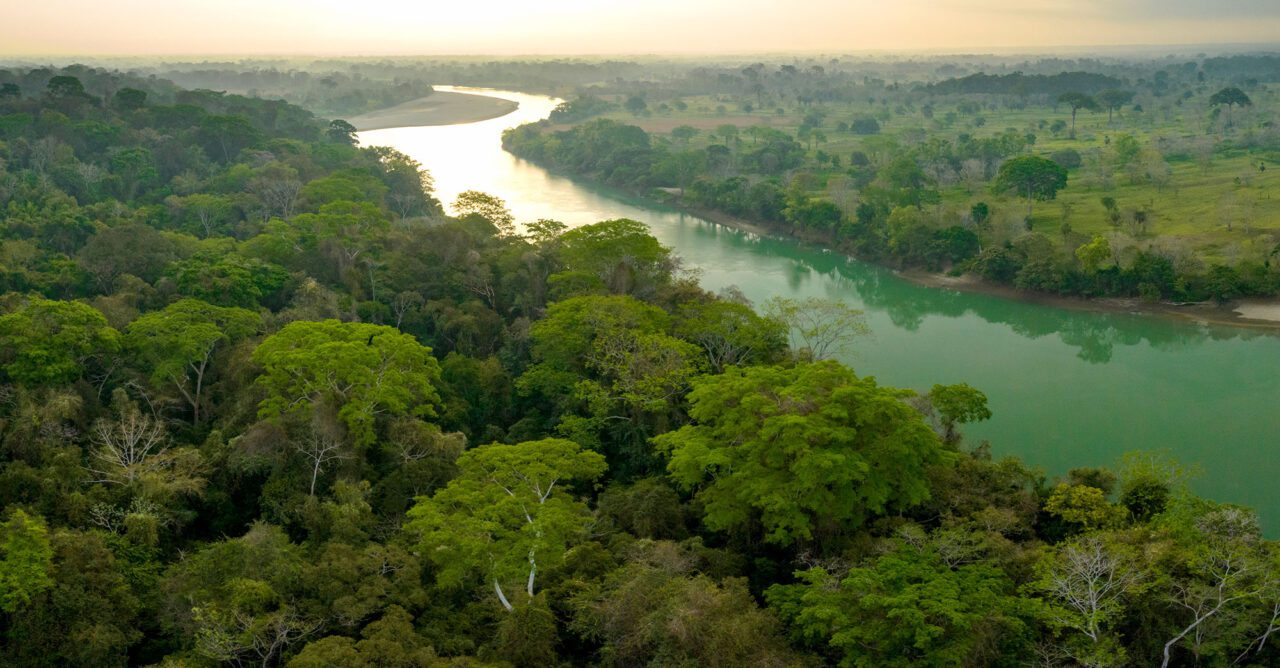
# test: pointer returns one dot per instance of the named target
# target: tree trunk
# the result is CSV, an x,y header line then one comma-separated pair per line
x,y
501,596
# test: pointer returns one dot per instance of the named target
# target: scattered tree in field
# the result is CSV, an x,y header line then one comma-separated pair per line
x,y
636,105
1033,177
1230,97
1113,99
683,133
1077,101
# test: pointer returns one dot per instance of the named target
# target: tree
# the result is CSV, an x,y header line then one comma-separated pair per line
x,y
1224,568
910,607
620,253
1092,255
979,213
341,132
177,343
48,342
635,105
958,404
130,99
25,560
227,279
683,133
658,610
1077,101
1086,583
507,515
1231,97
808,450
492,209
239,598
88,617
730,334
223,137
1113,99
390,642
359,370
571,331
320,447
819,328
411,186
728,132
65,87
1033,176
209,213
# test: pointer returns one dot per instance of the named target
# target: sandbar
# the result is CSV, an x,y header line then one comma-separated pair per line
x,y
439,108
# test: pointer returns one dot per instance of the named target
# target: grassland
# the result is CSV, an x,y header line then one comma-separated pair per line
x,y
1207,190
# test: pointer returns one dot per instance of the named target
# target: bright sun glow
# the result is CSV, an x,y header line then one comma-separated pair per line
x,y
377,27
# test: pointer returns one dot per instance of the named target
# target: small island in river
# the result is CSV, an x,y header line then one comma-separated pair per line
x,y
439,108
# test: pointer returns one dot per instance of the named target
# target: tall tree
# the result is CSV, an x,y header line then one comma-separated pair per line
x,y
818,328
178,342
1231,97
508,514
1113,99
25,559
805,451
48,342
1032,176
358,370
1077,101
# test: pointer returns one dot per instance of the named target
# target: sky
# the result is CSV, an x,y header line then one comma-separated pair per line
x,y
510,27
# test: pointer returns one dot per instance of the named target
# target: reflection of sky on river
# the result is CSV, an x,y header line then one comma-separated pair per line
x,y
1068,388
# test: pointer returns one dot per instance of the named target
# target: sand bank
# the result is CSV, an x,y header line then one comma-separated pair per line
x,y
439,108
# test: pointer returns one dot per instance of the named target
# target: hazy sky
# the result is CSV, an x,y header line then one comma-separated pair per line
x,y
377,27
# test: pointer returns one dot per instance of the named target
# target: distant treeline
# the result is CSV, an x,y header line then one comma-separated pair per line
x,y
1260,67
1027,84
325,92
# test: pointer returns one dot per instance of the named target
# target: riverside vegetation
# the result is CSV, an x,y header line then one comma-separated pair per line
x,y
262,402
1133,178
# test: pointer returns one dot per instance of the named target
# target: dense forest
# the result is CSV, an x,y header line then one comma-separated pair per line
x,y
1133,178
263,403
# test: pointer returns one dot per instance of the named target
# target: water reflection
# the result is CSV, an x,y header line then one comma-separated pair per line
x,y
1067,387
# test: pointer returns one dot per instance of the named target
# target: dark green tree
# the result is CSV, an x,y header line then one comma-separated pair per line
x,y
1033,177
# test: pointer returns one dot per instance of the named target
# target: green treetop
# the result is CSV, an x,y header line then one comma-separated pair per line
x,y
361,370
806,450
508,514
47,342
178,343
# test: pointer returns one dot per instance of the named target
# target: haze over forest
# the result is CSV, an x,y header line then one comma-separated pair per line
x,y
408,27
586,334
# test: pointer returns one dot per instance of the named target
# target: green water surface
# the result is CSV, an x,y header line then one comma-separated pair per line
x,y
1067,387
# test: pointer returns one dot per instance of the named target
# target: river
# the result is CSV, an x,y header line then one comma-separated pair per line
x,y
1068,388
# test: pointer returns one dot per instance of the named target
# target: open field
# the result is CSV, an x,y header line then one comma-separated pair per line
x,y
1204,199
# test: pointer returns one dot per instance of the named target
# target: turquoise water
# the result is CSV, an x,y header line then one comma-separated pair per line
x,y
1068,388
